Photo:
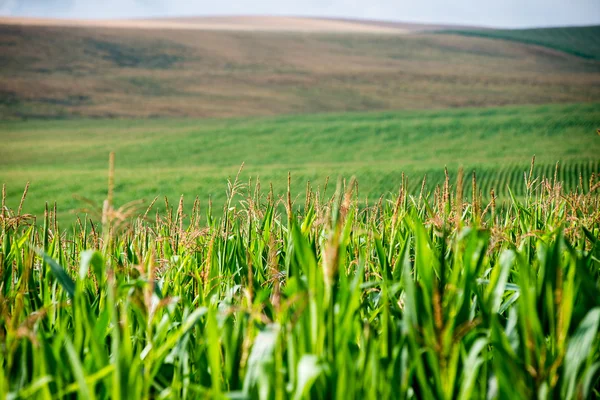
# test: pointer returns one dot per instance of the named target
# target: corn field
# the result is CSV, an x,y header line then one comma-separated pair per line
x,y
508,179
438,295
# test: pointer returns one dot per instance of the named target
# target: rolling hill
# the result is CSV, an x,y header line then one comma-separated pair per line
x,y
581,41
239,24
159,76
193,68
195,157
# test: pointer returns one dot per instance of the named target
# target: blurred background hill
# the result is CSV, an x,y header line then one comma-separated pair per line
x,y
224,67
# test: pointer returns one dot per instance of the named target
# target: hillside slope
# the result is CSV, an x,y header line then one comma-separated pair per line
x,y
54,71
195,157
228,23
579,41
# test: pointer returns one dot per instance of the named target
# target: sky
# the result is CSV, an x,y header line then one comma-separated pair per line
x,y
493,13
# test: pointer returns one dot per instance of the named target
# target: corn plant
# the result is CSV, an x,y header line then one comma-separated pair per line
x,y
415,297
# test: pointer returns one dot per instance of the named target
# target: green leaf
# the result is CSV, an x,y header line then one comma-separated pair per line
x,y
260,356
61,275
579,349
472,363
308,371
35,386
93,258
77,367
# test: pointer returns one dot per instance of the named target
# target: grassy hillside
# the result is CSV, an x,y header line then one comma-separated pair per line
x,y
579,41
191,157
62,72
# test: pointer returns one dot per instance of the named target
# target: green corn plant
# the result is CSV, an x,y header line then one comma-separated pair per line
x,y
435,296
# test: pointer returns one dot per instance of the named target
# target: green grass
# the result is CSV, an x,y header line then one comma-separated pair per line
x,y
195,157
579,41
439,297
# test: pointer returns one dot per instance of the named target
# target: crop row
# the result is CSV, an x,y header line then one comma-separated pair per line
x,y
572,176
